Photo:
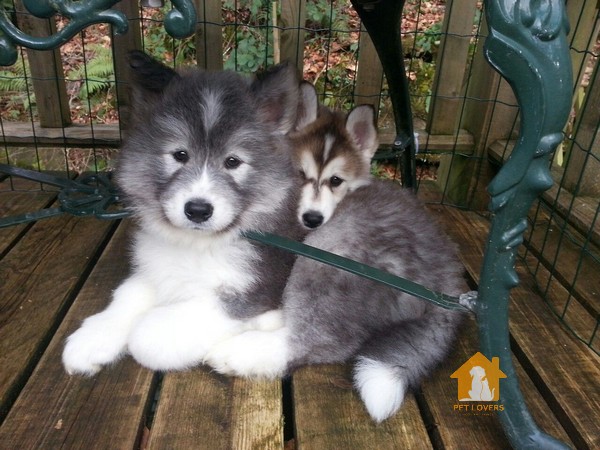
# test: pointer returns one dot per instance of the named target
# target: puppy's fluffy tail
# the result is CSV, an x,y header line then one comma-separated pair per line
x,y
398,357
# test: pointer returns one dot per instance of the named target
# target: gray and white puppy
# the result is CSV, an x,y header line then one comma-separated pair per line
x,y
333,316
206,159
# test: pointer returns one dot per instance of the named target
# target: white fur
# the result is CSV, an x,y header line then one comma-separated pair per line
x,y
177,336
252,354
102,338
322,201
167,313
211,109
201,188
328,145
309,166
380,388
319,196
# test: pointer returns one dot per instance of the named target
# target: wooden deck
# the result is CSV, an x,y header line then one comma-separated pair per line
x,y
56,272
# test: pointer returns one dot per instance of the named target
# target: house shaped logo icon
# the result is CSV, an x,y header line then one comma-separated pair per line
x,y
479,379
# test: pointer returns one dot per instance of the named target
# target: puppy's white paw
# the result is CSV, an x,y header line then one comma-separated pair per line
x,y
98,342
380,388
251,354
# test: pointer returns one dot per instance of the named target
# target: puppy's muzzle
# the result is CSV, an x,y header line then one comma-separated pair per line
x,y
198,211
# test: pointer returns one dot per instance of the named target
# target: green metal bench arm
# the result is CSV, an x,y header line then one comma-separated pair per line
x,y
528,46
180,22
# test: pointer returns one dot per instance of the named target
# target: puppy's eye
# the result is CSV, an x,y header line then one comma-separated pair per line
x,y
232,162
335,181
181,156
302,174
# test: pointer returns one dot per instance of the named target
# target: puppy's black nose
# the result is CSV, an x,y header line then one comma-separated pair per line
x,y
312,219
198,210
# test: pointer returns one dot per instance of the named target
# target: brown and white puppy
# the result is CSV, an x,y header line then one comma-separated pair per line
x,y
332,152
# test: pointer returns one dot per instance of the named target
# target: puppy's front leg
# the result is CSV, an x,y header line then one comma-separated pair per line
x,y
102,338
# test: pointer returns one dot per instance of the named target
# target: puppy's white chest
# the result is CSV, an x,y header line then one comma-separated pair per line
x,y
185,272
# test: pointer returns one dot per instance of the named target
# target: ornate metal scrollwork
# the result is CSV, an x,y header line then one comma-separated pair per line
x,y
179,22
527,45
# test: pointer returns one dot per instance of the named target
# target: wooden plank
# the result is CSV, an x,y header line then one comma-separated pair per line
x,y
579,211
39,277
47,72
369,76
576,268
18,196
32,133
108,135
460,142
583,17
56,410
490,113
209,37
121,45
582,172
293,23
452,62
330,415
574,310
461,429
201,409
550,353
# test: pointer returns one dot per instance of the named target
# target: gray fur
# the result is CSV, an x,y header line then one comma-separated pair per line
x,y
335,316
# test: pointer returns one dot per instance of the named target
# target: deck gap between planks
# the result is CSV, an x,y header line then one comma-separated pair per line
x,y
287,402
149,410
431,425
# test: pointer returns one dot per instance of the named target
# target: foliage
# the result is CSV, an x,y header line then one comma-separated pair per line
x,y
16,95
160,44
427,43
250,53
95,75
248,40
13,78
322,13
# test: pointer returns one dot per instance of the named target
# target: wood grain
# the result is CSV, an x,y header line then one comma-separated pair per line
x,y
40,274
55,410
330,415
201,409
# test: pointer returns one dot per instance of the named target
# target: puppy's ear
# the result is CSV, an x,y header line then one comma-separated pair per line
x,y
149,76
276,91
308,106
360,124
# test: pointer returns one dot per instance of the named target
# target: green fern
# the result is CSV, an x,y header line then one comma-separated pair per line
x,y
97,74
13,79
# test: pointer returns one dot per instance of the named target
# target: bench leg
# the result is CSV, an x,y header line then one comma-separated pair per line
x,y
382,20
527,45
